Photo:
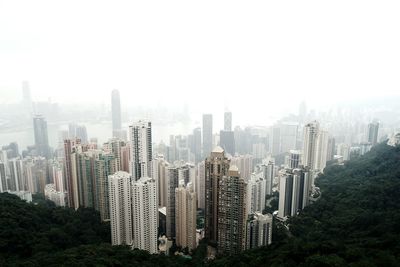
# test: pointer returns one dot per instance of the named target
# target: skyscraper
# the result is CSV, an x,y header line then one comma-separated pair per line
x,y
71,147
232,214
104,166
216,166
172,183
145,214
373,129
294,191
185,216
116,113
311,131
269,175
228,121
141,150
207,134
321,151
200,185
160,173
120,208
41,138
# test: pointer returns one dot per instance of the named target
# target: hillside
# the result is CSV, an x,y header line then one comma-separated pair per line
x,y
356,222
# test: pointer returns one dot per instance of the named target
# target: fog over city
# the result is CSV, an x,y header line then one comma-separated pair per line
x,y
188,124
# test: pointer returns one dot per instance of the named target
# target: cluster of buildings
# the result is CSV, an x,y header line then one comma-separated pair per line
x,y
154,195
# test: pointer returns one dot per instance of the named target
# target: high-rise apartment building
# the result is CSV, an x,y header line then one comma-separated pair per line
x,y
216,166
232,214
201,185
145,214
141,150
120,193
172,183
294,190
269,175
185,216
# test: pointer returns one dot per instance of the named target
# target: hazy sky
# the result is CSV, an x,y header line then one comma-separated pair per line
x,y
246,55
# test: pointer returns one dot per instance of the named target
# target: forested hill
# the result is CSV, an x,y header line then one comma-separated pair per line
x,y
356,222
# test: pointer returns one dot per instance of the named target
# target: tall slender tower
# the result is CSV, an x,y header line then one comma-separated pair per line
x,y
232,213
120,208
216,166
116,113
185,213
145,214
311,131
172,183
41,138
207,134
141,150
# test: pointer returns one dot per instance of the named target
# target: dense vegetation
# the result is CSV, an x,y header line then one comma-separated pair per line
x,y
356,222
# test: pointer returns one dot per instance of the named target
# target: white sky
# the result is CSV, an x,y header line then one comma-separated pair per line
x,y
249,56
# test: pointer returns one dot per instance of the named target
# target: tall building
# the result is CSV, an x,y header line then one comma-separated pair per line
x,y
228,121
216,166
141,150
321,151
269,175
373,129
160,166
15,169
71,148
207,134
120,193
256,193
172,183
185,216
145,214
311,131
232,214
201,185
294,188
116,114
196,145
41,138
227,141
259,230
104,166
